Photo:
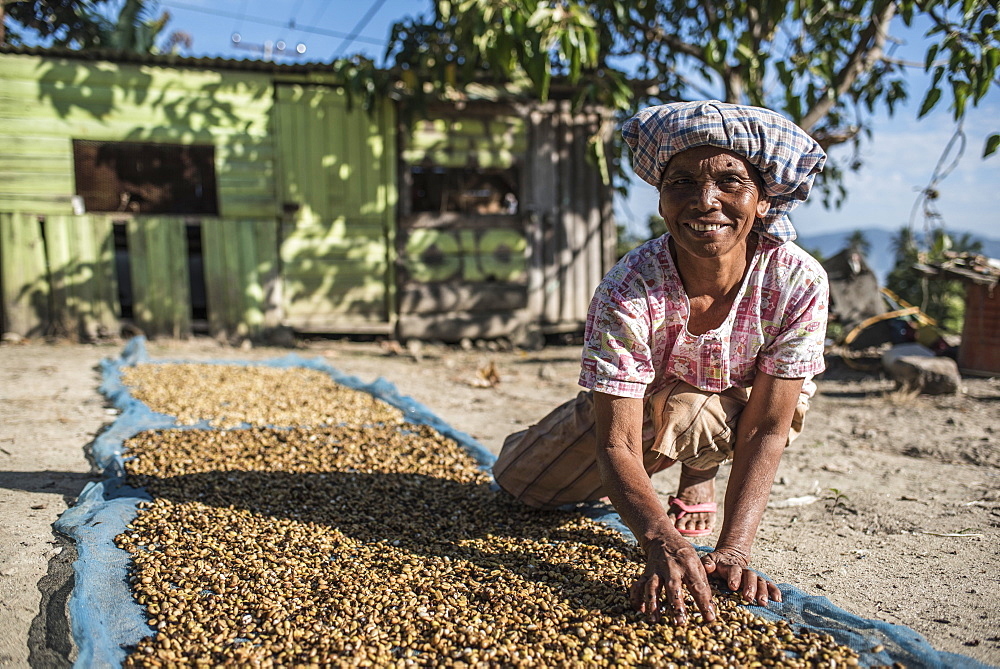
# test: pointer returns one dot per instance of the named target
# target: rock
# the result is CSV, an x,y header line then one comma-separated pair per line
x,y
12,338
280,335
415,348
547,373
918,372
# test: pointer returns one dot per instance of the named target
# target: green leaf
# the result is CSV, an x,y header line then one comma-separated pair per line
x,y
938,73
992,144
574,65
711,53
991,61
929,59
983,88
960,89
931,99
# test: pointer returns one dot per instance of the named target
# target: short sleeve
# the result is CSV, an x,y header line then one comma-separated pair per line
x,y
799,340
616,357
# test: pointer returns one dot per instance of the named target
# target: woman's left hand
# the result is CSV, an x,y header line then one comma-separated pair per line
x,y
730,567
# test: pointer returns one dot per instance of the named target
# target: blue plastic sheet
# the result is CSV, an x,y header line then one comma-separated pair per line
x,y
107,622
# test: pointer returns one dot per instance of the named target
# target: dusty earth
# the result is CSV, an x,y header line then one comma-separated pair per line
x,y
865,509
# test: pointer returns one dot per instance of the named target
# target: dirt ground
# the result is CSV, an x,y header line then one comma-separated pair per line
x,y
862,507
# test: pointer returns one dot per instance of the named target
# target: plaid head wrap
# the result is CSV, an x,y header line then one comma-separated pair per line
x,y
785,156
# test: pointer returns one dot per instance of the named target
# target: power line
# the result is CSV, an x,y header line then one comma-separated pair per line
x,y
269,22
239,21
295,13
322,10
372,11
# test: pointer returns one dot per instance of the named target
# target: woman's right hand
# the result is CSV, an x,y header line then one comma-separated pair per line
x,y
671,562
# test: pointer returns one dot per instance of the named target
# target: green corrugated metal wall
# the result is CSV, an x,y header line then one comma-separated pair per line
x,y
338,166
65,283
45,103
58,275
337,181
23,274
158,263
307,191
241,271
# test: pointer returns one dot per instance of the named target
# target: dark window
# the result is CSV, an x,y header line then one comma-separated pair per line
x,y
146,178
123,271
465,190
196,274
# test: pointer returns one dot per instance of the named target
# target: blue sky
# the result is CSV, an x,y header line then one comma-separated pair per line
x,y
898,161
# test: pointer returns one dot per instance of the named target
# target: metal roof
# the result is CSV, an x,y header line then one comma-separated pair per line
x,y
169,59
970,267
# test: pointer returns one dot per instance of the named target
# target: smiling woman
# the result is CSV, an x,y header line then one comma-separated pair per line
x,y
700,347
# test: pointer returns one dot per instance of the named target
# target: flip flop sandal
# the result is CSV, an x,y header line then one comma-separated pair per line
x,y
685,509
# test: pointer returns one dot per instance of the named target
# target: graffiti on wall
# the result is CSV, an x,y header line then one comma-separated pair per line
x,y
436,255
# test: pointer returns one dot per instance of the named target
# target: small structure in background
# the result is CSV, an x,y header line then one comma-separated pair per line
x,y
979,352
876,331
855,295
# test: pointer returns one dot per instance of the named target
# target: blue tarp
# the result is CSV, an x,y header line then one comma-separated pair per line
x,y
106,620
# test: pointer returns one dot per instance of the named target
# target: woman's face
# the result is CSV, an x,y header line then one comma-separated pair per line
x,y
709,199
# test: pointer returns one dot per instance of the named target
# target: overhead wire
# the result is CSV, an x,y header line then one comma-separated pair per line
x,y
946,164
322,10
239,21
268,22
362,22
294,14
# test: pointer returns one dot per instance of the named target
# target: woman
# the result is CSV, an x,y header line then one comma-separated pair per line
x,y
679,333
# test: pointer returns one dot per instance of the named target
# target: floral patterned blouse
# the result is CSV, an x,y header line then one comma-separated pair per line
x,y
636,337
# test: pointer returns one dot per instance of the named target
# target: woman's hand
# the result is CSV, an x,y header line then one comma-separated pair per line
x,y
672,562
730,567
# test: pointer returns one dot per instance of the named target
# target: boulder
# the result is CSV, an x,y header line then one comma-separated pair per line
x,y
916,370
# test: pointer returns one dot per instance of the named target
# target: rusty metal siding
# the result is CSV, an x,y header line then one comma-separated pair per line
x,y
462,263
980,347
554,248
575,227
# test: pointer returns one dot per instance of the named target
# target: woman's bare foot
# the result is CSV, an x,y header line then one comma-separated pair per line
x,y
696,488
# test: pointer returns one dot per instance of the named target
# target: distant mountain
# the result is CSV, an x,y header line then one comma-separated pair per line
x,y
882,256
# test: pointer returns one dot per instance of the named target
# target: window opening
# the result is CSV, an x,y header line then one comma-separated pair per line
x,y
464,190
146,178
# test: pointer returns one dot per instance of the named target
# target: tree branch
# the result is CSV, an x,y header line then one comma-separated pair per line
x,y
732,80
860,60
679,45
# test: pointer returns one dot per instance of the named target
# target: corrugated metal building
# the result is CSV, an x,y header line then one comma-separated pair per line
x,y
180,193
